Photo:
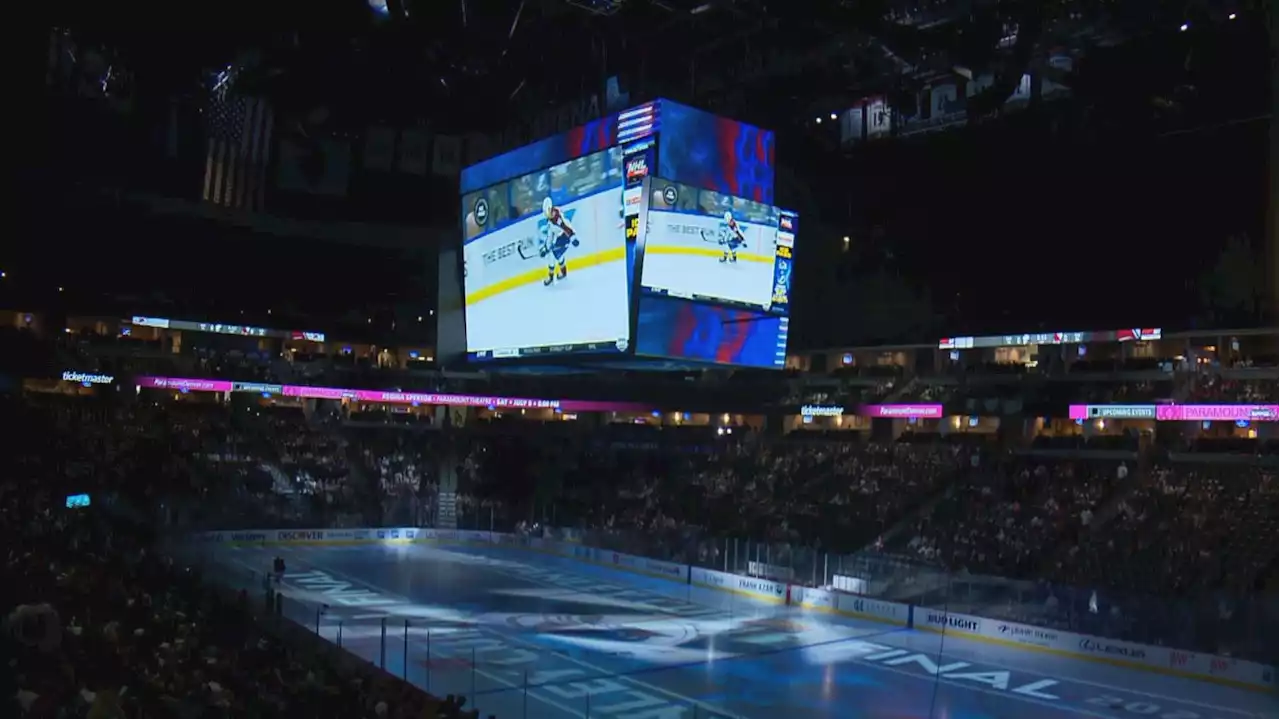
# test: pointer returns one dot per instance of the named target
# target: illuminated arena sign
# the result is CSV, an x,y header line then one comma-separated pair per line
x,y
87,378
1178,412
811,410
389,397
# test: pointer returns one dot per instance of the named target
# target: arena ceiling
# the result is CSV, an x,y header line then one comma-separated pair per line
x,y
470,64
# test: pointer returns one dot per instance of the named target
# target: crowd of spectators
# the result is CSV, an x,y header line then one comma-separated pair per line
x,y
101,622
833,494
1214,388
944,503
203,355
1190,528
1005,519
405,468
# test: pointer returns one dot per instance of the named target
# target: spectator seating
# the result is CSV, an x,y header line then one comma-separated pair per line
x,y
102,623
1062,539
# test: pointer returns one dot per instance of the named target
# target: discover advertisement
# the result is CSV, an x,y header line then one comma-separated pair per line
x,y
545,266
309,536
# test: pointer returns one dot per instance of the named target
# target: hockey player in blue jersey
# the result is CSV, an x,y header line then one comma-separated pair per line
x,y
557,236
731,237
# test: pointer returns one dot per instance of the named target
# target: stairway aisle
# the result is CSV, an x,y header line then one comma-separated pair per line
x,y
447,494
446,509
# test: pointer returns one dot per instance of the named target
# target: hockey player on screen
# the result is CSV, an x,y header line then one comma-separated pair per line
x,y
731,237
557,236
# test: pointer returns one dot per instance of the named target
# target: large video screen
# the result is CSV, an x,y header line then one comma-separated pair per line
x,y
594,136
705,245
679,329
714,152
545,266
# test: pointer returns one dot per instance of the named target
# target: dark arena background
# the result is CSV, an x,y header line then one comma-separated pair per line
x,y
643,359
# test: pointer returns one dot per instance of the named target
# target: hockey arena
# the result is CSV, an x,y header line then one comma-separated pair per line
x,y
527,634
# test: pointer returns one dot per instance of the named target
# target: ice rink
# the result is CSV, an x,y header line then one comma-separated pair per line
x,y
746,280
588,305
529,635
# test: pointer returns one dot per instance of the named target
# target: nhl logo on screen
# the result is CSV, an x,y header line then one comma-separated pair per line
x,y
637,167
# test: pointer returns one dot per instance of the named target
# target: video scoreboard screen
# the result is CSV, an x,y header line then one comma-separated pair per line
x,y
706,245
714,277
544,262
573,245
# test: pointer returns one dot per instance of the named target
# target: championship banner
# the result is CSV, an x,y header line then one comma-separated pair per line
x,y
446,155
379,148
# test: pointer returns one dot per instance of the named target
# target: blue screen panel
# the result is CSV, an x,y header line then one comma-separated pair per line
x,y
592,137
680,329
715,153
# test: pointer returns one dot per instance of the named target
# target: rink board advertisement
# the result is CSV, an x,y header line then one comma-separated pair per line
x,y
1162,660
763,589
705,245
545,262
851,605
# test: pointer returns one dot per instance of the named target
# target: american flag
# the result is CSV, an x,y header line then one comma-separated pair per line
x,y
239,136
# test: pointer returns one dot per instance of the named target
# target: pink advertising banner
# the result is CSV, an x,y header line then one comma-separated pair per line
x,y
1178,412
902,411
391,397
184,384
1218,412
